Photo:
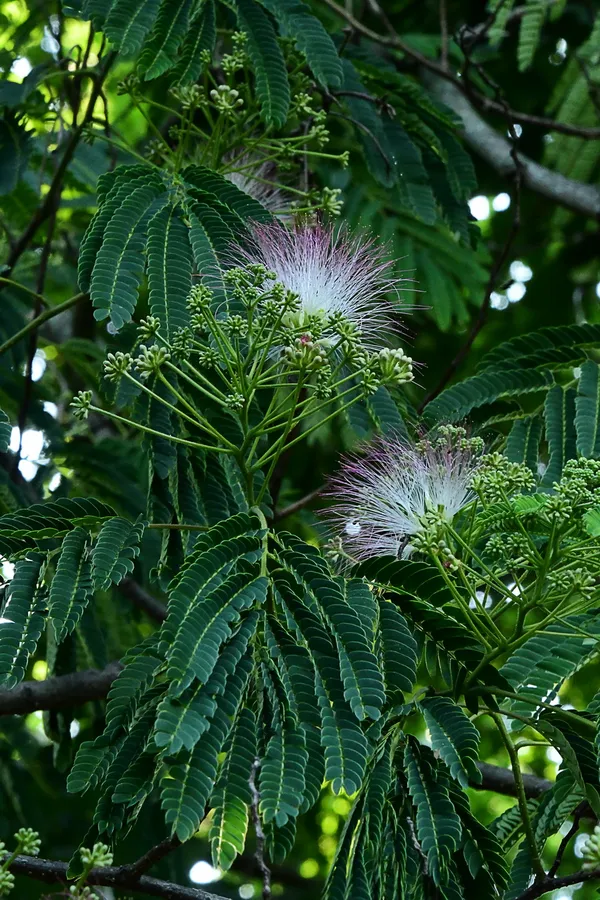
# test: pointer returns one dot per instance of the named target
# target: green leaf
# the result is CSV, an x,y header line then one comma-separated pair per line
x,y
119,265
72,585
344,743
187,785
159,52
587,417
169,271
541,665
91,763
363,682
556,345
398,652
591,520
453,738
5,432
228,194
23,620
282,774
199,38
458,401
196,645
15,145
182,720
272,87
115,550
530,32
438,826
129,687
523,442
559,412
127,24
297,674
296,21
113,189
231,797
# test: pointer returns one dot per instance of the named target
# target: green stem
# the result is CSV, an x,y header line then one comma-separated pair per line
x,y
39,320
538,868
15,284
173,526
471,619
148,430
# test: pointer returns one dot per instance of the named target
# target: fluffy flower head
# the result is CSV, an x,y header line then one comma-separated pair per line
x,y
385,496
333,275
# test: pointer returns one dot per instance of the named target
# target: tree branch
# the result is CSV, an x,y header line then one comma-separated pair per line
x,y
51,872
58,692
484,139
496,151
544,885
143,600
501,781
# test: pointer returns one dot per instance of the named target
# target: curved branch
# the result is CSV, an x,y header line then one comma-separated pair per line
x,y
51,872
484,139
544,885
496,151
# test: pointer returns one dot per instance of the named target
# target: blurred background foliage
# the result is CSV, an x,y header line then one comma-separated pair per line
x,y
483,257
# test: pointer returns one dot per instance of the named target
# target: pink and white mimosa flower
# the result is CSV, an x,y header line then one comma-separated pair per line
x,y
384,495
332,274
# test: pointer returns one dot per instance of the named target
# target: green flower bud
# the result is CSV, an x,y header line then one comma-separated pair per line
x,y
28,841
81,404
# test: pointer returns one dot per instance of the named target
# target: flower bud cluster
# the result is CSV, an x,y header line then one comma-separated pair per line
x,y
116,364
509,549
99,855
188,96
580,482
81,404
226,99
28,841
497,478
573,581
590,850
150,360
431,539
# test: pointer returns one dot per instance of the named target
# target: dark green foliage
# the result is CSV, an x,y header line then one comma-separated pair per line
x,y
23,623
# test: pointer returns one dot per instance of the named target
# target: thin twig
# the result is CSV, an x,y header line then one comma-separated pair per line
x,y
298,505
44,211
259,832
577,815
444,33
39,320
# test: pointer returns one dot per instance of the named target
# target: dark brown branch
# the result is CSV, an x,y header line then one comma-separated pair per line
x,y
577,816
154,855
58,692
497,151
501,781
52,872
143,600
258,830
485,104
545,885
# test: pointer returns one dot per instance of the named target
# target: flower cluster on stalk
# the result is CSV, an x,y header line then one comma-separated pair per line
x,y
301,320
